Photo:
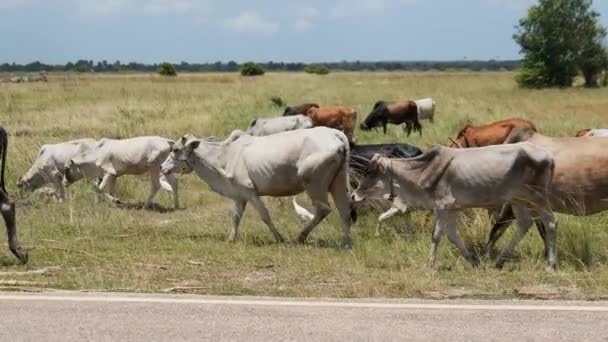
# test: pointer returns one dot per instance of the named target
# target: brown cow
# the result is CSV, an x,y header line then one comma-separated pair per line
x,y
7,208
339,117
300,109
582,132
395,112
493,133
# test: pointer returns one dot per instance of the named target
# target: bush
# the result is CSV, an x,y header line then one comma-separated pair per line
x,y
251,69
166,69
316,69
277,101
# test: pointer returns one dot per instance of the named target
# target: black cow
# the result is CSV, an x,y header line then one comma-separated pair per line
x,y
7,208
300,109
360,155
396,112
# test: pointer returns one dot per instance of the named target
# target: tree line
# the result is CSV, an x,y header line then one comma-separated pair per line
x,y
232,66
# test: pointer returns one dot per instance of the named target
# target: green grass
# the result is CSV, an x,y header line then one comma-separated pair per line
x,y
101,247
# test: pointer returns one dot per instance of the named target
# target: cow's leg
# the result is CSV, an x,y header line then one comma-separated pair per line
x,y
321,209
438,227
108,181
451,223
385,216
239,209
524,222
550,225
59,189
501,222
384,127
172,180
265,216
7,209
342,201
154,186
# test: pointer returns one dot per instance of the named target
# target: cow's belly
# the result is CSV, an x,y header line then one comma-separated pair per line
x,y
277,181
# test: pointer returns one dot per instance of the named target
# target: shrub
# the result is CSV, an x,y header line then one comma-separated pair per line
x,y
166,69
251,69
317,69
278,101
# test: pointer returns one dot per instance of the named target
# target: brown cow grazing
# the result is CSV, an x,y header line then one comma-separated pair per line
x,y
301,109
7,208
582,132
493,133
395,112
339,117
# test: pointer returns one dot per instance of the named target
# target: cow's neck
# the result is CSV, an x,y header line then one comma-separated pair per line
x,y
209,162
407,184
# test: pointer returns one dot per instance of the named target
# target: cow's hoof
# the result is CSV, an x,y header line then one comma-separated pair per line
x,y
280,239
474,260
21,255
301,239
500,264
551,269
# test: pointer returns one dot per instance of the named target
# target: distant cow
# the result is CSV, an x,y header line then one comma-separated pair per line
x,y
493,133
300,109
599,132
396,112
49,167
339,117
112,158
447,180
244,168
266,126
7,208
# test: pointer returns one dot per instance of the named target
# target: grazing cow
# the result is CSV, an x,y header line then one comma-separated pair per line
x,y
447,180
601,132
396,112
493,133
300,109
112,158
360,156
7,208
338,117
580,183
244,168
49,166
268,126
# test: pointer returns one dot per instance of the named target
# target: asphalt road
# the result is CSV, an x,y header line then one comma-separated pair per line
x,y
128,317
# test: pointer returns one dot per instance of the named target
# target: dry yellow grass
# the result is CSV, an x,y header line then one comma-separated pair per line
x,y
101,247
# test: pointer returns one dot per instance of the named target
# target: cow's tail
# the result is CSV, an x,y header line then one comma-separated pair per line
x,y
345,151
3,152
302,212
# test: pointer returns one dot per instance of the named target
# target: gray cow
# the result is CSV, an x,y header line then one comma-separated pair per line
x,y
260,127
448,180
49,167
244,168
112,158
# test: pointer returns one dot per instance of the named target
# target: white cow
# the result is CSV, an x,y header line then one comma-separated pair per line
x,y
244,168
448,180
112,158
49,166
602,132
266,126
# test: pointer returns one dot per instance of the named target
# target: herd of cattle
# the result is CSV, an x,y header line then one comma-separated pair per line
x,y
506,167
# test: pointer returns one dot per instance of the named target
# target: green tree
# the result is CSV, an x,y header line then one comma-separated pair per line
x,y
166,69
316,69
559,39
251,69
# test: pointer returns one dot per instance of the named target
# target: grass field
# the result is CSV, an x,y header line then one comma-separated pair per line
x,y
89,246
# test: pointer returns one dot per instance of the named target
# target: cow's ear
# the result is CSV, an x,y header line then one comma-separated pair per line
x,y
171,143
70,162
193,145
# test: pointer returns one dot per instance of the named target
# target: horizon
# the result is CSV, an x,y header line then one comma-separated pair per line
x,y
292,31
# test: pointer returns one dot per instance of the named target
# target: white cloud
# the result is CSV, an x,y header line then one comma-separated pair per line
x,y
112,7
251,22
168,6
304,17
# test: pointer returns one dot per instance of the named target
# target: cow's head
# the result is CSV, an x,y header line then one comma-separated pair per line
x,y
461,140
583,132
79,167
375,182
177,161
374,119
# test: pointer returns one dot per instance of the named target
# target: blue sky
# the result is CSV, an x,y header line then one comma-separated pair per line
x,y
57,31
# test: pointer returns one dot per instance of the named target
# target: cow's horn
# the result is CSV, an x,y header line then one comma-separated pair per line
x,y
455,142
